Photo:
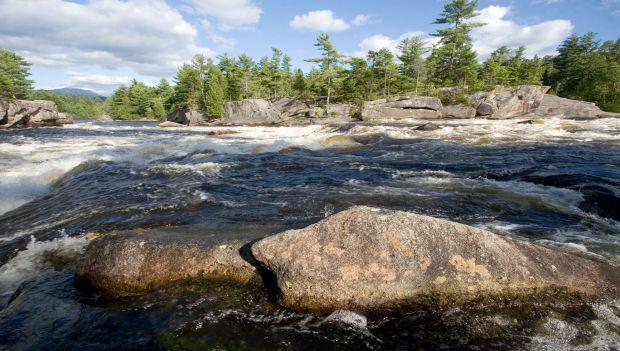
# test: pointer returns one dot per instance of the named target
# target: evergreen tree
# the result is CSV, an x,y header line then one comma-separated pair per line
x,y
328,62
454,59
299,83
186,94
412,51
232,75
382,63
496,70
215,91
118,103
247,69
358,84
14,72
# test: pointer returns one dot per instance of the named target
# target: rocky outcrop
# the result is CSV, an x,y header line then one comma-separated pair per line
x,y
134,262
508,102
250,111
458,111
554,106
368,258
188,117
25,113
402,107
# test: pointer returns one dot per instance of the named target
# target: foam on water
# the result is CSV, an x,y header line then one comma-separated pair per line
x,y
29,263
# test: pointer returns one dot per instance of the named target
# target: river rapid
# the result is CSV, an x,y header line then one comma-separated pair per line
x,y
555,182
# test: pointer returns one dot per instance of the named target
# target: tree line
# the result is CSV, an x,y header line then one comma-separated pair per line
x,y
584,69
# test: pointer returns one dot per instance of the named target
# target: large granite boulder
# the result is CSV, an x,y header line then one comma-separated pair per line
x,y
134,262
25,113
188,117
381,113
367,258
508,102
459,111
250,111
289,107
554,106
402,107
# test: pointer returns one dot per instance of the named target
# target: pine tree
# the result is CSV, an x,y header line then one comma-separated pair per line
x,y
186,94
247,68
14,72
454,59
299,83
412,51
495,70
385,69
329,62
215,91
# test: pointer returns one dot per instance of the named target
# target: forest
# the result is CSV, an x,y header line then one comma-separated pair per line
x,y
584,69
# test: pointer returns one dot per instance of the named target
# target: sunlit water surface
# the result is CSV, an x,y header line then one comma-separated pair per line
x,y
556,182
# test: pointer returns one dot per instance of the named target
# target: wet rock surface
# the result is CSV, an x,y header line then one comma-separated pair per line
x,y
139,261
367,258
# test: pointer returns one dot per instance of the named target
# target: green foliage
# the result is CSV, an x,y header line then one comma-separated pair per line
x,y
14,72
299,84
510,68
454,61
78,106
413,64
215,91
587,70
329,63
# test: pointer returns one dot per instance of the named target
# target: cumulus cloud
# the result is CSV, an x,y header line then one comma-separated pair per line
x,y
380,41
539,39
326,21
99,83
229,14
360,20
147,36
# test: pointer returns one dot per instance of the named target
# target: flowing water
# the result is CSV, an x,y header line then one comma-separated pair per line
x,y
555,182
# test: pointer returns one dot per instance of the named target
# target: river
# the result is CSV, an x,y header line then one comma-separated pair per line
x,y
555,182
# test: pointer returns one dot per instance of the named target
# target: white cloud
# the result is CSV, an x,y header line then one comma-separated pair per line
x,y
99,83
147,36
230,14
380,41
360,20
539,38
322,20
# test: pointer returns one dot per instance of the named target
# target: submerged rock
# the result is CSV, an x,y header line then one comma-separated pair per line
x,y
134,262
367,259
340,141
428,127
169,124
104,118
250,111
26,113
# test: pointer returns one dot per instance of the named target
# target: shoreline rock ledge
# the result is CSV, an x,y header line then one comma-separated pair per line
x,y
369,259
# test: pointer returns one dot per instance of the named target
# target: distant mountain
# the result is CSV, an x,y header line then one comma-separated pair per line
x,y
76,91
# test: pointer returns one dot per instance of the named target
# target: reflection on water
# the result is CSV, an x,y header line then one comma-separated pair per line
x,y
556,182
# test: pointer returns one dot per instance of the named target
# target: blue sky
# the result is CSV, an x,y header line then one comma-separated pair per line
x,y
99,44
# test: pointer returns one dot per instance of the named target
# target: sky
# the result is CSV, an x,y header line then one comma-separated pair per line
x,y
100,44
